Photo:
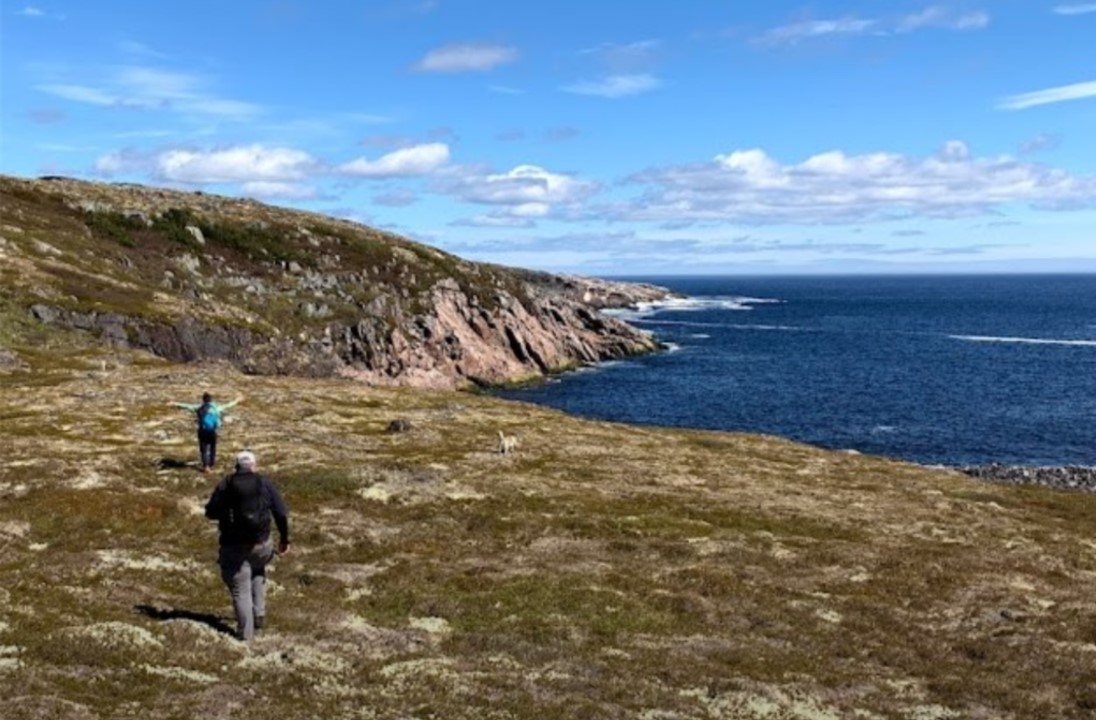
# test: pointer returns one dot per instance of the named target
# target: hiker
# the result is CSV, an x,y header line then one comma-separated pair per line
x,y
242,504
208,414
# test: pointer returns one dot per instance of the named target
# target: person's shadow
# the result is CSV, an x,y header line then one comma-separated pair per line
x,y
170,463
214,621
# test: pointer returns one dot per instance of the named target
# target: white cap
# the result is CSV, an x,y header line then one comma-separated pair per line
x,y
246,459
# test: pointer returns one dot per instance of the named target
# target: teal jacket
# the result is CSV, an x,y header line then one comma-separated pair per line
x,y
215,409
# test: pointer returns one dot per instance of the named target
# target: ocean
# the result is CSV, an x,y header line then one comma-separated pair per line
x,y
933,369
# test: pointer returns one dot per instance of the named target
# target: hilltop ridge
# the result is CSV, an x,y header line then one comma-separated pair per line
x,y
194,276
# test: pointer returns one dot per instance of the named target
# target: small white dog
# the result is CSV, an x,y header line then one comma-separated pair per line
x,y
507,443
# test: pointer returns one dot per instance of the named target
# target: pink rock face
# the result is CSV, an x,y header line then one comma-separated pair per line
x,y
461,344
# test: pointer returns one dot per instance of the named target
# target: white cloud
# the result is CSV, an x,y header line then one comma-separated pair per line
x,y
466,57
415,160
31,11
616,86
246,163
934,16
1077,91
793,33
833,187
81,93
494,220
521,195
505,90
121,162
1077,9
153,89
939,17
1039,143
529,190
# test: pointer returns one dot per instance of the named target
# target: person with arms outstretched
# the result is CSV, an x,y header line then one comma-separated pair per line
x,y
209,415
242,504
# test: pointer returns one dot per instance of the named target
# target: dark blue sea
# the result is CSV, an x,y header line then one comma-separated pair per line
x,y
934,369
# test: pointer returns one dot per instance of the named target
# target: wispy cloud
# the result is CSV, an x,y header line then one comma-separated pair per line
x,y
406,162
84,94
807,29
1039,143
1075,9
152,89
934,16
494,220
1062,93
942,18
833,187
466,57
32,11
615,86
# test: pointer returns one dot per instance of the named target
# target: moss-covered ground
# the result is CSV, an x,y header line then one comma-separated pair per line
x,y
601,571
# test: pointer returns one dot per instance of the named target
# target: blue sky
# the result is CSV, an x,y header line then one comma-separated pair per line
x,y
670,138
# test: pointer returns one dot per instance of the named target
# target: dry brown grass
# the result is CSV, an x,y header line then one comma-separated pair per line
x,y
601,571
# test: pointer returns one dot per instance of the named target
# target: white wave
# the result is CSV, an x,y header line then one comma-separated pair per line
x,y
1023,340
766,327
714,302
882,429
700,336
733,326
672,347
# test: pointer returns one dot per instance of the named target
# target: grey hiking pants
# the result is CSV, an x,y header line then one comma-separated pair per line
x,y
243,568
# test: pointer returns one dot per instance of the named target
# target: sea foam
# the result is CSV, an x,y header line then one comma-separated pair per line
x,y
720,302
1024,340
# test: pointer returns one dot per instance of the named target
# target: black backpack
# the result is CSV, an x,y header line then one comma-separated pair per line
x,y
248,508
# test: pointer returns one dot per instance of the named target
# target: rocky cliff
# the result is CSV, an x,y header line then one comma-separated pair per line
x,y
193,276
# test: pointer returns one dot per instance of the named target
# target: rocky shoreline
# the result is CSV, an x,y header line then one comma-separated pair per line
x,y
1067,477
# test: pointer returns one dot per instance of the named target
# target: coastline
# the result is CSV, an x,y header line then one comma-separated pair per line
x,y
1080,478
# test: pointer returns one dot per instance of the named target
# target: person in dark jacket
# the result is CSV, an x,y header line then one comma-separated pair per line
x,y
242,504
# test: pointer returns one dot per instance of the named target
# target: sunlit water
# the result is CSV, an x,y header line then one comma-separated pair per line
x,y
946,370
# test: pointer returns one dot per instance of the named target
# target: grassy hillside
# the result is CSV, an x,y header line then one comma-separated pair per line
x,y
601,571
191,276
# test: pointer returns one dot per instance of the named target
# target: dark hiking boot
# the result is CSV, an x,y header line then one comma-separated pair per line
x,y
260,620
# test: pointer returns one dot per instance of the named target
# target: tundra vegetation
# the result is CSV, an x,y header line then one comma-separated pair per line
x,y
597,571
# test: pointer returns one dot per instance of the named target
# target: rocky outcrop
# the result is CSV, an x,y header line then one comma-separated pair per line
x,y
189,277
459,338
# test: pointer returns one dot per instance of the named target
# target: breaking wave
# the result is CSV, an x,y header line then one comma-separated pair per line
x,y
720,302
1023,340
